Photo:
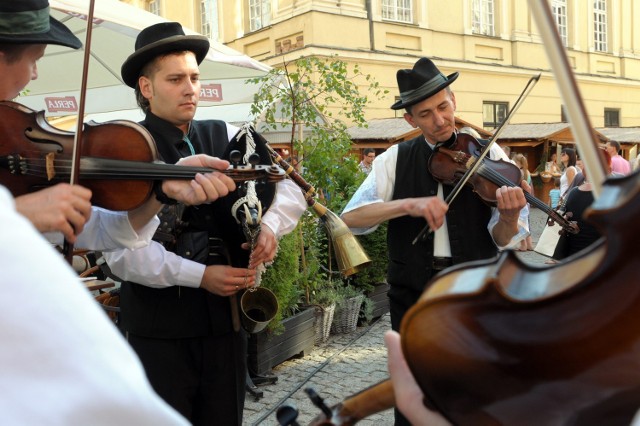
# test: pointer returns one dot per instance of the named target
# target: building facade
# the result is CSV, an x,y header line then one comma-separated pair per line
x,y
494,44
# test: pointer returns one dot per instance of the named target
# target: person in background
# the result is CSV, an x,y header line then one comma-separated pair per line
x,y
175,305
554,194
400,189
618,163
368,155
507,150
25,31
523,165
552,164
578,200
568,158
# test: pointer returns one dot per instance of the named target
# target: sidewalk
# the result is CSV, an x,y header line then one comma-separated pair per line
x,y
344,365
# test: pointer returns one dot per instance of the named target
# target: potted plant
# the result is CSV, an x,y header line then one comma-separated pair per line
x,y
291,331
373,280
312,98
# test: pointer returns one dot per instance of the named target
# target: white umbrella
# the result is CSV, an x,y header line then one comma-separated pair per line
x,y
116,25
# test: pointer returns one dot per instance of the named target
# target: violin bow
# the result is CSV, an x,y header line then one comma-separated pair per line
x,y
485,151
67,248
578,118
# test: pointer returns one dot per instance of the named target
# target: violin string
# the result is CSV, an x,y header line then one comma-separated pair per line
x,y
498,179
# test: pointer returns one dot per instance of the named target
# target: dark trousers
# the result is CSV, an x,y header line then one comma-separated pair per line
x,y
202,378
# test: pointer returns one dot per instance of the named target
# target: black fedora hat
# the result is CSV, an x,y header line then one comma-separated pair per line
x,y
157,39
421,82
29,22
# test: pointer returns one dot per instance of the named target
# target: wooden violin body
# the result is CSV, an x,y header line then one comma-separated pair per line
x,y
508,343
119,159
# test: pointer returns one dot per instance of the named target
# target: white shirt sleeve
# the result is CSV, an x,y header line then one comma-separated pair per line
x,y
154,266
377,186
109,230
63,362
286,208
497,153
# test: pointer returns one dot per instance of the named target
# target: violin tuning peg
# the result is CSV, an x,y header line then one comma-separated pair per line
x,y
235,157
254,159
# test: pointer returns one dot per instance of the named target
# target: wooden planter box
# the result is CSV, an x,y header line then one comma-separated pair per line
x,y
265,351
380,300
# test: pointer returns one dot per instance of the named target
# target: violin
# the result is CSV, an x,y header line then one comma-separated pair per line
x,y
449,163
119,160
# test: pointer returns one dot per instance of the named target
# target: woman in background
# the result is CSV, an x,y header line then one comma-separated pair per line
x,y
568,158
523,165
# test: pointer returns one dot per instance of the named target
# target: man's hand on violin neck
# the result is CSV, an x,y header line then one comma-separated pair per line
x,y
510,201
204,188
61,208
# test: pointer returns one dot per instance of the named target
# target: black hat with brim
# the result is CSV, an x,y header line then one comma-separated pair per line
x,y
159,39
420,83
30,22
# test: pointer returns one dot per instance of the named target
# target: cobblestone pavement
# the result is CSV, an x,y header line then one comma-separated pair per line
x,y
342,366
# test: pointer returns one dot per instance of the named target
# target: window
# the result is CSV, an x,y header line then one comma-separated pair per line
x,y
611,117
397,10
600,25
154,7
483,17
564,117
209,19
559,8
259,14
493,113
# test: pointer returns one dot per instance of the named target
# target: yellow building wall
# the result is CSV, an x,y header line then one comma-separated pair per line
x,y
492,68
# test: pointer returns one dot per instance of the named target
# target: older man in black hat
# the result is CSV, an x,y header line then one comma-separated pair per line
x,y
401,189
175,305
25,31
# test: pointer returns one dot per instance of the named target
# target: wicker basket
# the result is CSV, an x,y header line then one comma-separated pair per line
x,y
345,318
322,322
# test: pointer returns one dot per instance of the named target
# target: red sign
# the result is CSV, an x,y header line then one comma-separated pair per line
x,y
61,104
211,93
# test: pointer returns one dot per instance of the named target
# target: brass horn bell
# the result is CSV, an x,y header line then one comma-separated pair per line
x,y
350,255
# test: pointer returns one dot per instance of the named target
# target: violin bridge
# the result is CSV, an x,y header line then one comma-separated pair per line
x,y
49,166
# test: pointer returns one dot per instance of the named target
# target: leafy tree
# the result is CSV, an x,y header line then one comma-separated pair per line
x,y
322,97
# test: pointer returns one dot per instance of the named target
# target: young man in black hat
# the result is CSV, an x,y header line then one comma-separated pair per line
x,y
175,308
401,189
25,31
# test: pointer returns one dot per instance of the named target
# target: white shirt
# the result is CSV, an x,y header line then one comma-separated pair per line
x,y
109,230
379,185
62,361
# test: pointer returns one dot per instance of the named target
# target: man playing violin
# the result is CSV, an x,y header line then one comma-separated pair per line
x,y
62,360
401,189
67,208
175,308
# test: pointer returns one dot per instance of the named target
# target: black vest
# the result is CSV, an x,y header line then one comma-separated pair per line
x,y
467,220
179,312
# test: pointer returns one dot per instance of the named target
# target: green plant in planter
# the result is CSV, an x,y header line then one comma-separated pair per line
x,y
375,244
315,97
282,278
